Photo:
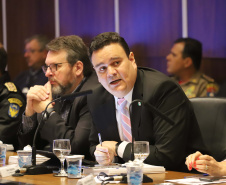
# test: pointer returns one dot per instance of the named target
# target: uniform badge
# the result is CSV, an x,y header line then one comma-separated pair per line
x,y
211,89
190,92
11,86
13,110
14,107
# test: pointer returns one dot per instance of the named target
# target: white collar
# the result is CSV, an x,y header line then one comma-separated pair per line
x,y
128,98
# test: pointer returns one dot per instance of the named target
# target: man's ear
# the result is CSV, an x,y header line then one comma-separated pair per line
x,y
78,68
188,62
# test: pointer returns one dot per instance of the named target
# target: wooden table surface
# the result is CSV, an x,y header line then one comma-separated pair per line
x,y
50,179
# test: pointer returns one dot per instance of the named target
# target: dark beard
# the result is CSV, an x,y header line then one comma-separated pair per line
x,y
60,90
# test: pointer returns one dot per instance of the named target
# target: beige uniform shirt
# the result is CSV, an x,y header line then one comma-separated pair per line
x,y
199,85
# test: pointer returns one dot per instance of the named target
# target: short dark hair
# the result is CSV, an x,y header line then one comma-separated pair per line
x,y
105,39
3,59
43,40
76,50
193,49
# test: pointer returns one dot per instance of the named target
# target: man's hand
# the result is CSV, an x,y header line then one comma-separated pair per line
x,y
110,145
37,99
104,155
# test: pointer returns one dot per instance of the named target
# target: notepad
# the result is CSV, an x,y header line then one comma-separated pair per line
x,y
118,169
39,159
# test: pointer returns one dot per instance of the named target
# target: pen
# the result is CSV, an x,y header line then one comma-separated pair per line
x,y
100,140
199,175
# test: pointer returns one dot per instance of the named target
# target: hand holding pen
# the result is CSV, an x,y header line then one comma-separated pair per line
x,y
104,152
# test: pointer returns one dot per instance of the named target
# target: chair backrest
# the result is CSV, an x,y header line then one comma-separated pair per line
x,y
211,117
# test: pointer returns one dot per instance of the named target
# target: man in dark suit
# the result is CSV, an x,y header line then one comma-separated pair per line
x,y
120,78
69,70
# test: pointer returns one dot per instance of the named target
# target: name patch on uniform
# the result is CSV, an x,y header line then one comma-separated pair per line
x,y
13,110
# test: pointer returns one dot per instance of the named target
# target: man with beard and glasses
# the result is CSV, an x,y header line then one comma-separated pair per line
x,y
69,70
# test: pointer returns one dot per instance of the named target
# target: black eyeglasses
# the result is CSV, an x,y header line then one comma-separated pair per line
x,y
52,67
32,50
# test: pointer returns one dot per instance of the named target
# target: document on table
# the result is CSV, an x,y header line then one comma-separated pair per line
x,y
39,159
196,181
118,169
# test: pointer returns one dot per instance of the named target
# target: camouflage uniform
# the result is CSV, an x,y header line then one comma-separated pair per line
x,y
199,85
12,105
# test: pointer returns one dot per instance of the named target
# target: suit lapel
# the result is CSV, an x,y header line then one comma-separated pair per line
x,y
104,116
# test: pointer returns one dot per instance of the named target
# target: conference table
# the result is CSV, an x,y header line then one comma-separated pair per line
x,y
50,179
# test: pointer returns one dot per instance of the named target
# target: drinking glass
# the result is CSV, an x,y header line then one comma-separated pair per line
x,y
141,150
61,148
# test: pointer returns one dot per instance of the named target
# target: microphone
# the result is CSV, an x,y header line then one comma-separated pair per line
x,y
139,103
154,110
33,169
74,95
123,178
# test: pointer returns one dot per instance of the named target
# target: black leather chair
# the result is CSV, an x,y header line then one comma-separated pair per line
x,y
211,117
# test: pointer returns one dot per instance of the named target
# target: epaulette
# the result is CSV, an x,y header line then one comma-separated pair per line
x,y
207,78
11,86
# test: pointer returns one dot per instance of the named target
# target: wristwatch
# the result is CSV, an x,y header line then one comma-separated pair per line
x,y
46,114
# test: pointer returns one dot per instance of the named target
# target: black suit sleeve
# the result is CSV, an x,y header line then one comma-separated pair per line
x,y
77,130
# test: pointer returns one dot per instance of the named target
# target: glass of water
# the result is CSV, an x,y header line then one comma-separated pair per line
x,y
141,150
61,148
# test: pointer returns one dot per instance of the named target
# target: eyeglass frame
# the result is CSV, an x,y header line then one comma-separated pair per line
x,y
32,50
45,67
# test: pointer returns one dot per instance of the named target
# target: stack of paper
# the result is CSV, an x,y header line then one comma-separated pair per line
x,y
118,169
39,159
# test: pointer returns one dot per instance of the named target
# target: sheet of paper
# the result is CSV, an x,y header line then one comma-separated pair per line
x,y
195,181
109,182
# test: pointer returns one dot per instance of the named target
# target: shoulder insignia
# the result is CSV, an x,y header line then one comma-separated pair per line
x,y
11,86
190,92
16,101
211,89
13,110
209,79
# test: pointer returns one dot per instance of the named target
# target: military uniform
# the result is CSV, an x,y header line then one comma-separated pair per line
x,y
12,105
199,85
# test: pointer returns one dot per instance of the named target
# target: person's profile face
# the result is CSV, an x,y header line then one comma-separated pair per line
x,y
62,79
175,60
116,72
34,56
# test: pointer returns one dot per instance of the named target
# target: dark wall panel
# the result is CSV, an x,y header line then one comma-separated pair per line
x,y
1,29
150,27
86,18
207,23
24,19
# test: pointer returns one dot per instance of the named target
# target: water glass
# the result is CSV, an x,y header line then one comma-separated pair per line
x,y
24,158
134,173
2,154
74,166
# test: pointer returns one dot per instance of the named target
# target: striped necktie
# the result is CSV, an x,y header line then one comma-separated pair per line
x,y
125,119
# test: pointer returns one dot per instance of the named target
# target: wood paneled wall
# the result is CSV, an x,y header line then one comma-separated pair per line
x,y
149,26
1,31
24,19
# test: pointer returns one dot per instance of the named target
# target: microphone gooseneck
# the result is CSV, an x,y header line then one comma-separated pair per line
x,y
139,103
43,169
153,110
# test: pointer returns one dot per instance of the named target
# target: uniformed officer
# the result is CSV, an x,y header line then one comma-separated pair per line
x,y
184,63
12,105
